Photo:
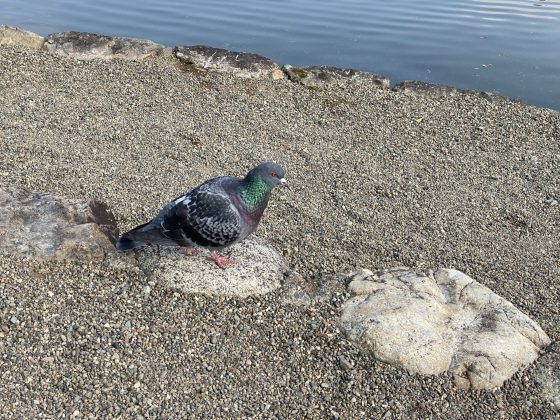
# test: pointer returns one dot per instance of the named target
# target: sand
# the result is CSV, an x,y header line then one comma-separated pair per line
x,y
378,179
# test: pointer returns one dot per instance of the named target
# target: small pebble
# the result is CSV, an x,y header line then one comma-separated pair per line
x,y
344,363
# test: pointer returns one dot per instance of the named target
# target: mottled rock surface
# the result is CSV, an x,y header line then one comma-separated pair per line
x,y
258,269
247,65
430,324
315,76
84,46
10,35
45,226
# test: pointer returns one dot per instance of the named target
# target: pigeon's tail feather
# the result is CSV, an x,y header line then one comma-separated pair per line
x,y
131,239
143,236
125,244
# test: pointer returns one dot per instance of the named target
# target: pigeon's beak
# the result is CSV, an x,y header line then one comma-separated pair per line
x,y
284,183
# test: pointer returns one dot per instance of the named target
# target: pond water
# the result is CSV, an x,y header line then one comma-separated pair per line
x,y
506,46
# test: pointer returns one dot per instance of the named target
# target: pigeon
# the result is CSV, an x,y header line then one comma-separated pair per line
x,y
218,213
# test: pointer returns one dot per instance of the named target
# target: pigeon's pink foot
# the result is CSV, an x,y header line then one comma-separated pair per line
x,y
220,261
188,250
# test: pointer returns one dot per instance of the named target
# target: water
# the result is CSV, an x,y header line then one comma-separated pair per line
x,y
507,46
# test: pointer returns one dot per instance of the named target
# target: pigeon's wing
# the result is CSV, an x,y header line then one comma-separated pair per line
x,y
202,217
155,223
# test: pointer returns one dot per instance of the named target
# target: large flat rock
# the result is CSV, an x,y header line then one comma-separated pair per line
x,y
10,35
241,64
316,76
258,269
45,226
436,90
447,321
85,46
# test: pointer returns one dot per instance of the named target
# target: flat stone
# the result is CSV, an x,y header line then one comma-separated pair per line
x,y
247,65
296,290
316,76
440,322
10,35
85,46
258,269
300,291
45,226
436,90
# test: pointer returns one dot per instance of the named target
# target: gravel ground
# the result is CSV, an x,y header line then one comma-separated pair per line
x,y
377,178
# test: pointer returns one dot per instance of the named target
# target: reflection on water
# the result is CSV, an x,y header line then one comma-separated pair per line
x,y
509,46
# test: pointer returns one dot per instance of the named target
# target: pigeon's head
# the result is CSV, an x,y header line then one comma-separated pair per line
x,y
269,172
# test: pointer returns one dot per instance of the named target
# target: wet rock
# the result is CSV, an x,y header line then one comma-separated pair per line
x,y
84,46
240,64
316,76
436,90
10,35
42,225
447,321
258,269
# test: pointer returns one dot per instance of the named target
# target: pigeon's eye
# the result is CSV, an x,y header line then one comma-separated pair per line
x,y
274,174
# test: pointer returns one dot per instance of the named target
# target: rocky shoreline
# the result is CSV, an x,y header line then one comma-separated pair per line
x,y
425,176
87,46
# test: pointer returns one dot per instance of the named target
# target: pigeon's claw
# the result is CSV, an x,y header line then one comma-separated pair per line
x,y
188,250
221,261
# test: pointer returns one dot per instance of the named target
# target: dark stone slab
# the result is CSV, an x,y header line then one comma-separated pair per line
x,y
247,65
83,45
323,75
435,90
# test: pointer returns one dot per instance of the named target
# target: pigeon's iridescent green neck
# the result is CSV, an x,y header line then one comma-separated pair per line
x,y
254,192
